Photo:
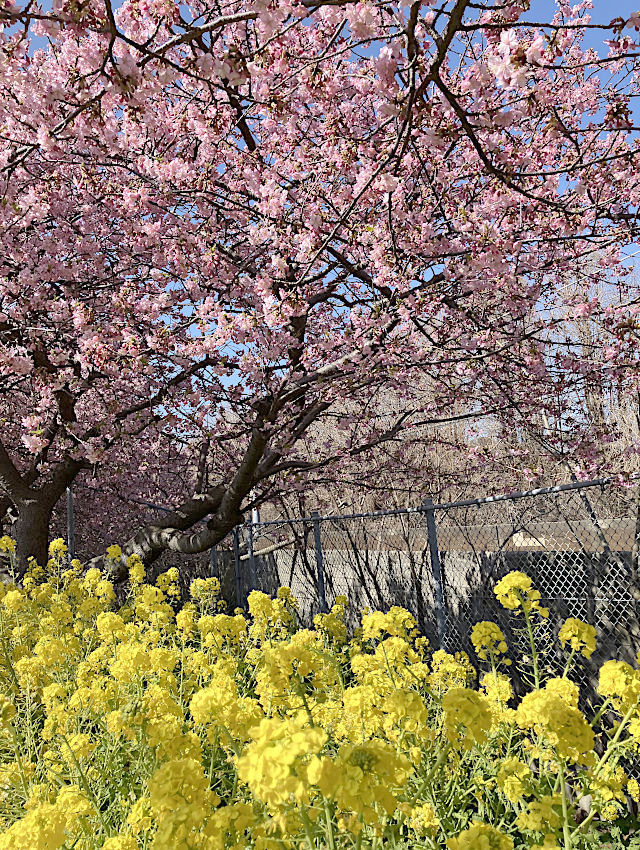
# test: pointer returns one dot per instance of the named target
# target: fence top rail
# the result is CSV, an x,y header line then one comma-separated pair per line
x,y
318,518
465,503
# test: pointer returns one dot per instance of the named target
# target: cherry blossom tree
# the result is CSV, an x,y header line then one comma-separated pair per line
x,y
221,222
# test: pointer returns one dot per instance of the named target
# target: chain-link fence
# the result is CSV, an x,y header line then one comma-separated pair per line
x,y
578,542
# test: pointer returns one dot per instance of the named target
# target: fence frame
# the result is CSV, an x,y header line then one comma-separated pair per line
x,y
245,580
443,609
436,571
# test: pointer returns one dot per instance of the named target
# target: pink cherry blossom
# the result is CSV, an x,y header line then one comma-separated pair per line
x,y
249,249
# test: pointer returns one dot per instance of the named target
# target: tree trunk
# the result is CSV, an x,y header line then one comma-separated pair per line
x,y
31,532
173,532
167,532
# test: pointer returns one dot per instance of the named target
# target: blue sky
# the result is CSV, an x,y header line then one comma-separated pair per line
x,y
603,10
541,10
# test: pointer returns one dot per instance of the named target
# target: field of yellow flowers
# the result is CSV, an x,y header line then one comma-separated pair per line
x,y
162,725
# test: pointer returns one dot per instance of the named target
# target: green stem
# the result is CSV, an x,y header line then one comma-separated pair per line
x,y
306,704
443,754
494,669
532,643
600,712
565,811
329,822
16,749
308,829
584,823
389,670
509,742
86,786
568,664
10,667
615,738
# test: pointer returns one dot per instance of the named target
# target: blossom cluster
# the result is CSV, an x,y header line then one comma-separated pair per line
x,y
299,210
168,724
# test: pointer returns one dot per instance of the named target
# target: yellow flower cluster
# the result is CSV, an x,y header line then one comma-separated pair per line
x,y
556,722
423,819
514,779
516,590
333,624
156,725
481,836
620,683
7,544
488,642
467,717
580,636
274,764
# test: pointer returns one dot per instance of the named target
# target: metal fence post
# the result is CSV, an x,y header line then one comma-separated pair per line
x,y
236,567
71,528
319,561
436,571
252,560
213,562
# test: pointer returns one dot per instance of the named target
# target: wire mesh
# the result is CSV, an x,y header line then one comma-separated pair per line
x,y
579,554
580,547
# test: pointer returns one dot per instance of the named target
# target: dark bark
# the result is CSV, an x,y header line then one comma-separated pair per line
x,y
168,532
33,505
222,504
31,531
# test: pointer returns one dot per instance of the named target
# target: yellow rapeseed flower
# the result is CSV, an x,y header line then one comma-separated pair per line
x,y
7,711
7,544
423,819
560,724
198,730
580,636
516,591
541,815
513,779
57,548
488,640
480,836
467,717
273,765
620,683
